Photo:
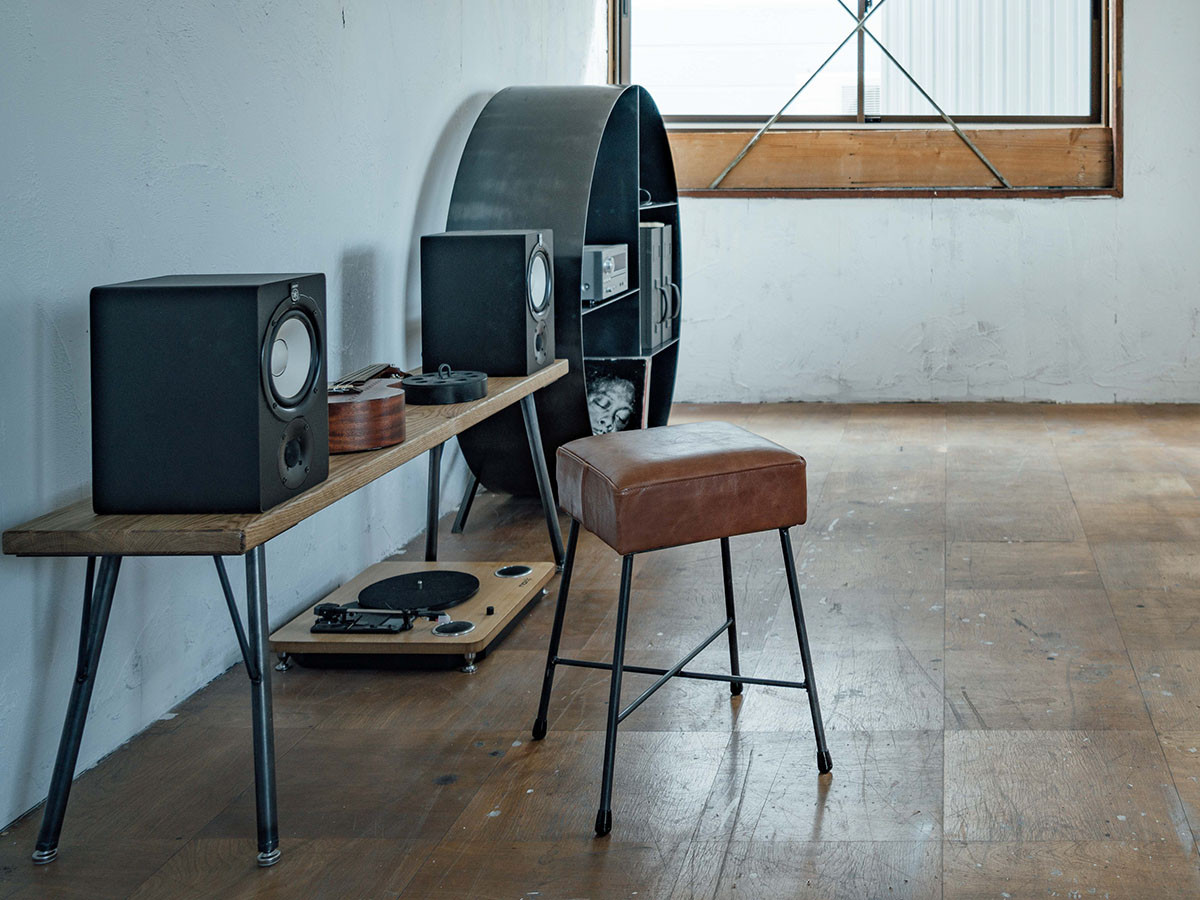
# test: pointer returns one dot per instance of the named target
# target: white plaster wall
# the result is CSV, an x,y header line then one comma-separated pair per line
x,y
139,139
1064,300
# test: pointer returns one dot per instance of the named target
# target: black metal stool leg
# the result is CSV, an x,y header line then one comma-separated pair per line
x,y
735,687
541,722
97,603
824,760
604,815
260,707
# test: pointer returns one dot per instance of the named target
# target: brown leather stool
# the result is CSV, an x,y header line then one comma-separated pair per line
x,y
662,487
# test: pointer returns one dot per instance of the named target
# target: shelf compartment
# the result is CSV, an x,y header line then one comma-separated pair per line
x,y
624,295
645,354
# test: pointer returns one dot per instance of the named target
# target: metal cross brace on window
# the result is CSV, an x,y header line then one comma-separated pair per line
x,y
860,25
941,112
775,118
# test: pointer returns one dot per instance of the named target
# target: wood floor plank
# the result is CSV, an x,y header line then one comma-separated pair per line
x,y
1170,682
984,454
1116,870
838,517
1141,520
882,565
992,566
885,786
1157,619
1123,487
1008,485
886,487
84,870
396,784
970,520
1016,786
1111,461
1182,750
569,867
1006,691
1131,566
861,689
361,868
1038,660
1032,621
812,870
872,620
549,790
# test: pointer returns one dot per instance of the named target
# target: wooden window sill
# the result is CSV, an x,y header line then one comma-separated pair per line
x,y
922,162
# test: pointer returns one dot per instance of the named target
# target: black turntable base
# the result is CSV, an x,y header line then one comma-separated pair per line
x,y
503,591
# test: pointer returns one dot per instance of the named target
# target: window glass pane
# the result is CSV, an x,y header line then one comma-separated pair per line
x,y
743,57
983,57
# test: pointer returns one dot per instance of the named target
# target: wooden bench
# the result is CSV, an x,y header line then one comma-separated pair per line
x,y
75,530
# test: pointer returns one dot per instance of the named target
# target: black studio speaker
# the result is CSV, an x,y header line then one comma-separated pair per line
x,y
208,392
487,301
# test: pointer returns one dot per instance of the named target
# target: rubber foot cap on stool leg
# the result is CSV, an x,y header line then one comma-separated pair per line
x,y
824,762
539,729
735,689
268,858
45,857
603,822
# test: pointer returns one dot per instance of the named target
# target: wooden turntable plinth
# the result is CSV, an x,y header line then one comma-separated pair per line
x,y
507,596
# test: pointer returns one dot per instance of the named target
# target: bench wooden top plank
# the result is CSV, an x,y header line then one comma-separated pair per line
x,y
75,530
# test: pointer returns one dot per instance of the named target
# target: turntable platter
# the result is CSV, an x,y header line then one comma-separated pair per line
x,y
432,590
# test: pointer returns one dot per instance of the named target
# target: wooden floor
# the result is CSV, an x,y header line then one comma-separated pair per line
x,y
1004,604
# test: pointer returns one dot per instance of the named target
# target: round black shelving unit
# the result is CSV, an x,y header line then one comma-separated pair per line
x,y
591,164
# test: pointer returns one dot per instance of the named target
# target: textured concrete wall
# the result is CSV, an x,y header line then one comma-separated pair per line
x,y
142,139
1065,300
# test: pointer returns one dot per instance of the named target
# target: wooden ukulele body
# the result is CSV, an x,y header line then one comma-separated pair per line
x,y
370,418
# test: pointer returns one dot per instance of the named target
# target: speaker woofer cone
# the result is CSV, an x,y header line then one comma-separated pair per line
x,y
540,281
291,356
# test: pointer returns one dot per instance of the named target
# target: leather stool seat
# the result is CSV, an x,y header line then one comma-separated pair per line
x,y
680,484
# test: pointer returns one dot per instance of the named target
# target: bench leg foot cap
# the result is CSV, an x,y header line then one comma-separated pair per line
x,y
603,822
824,762
539,729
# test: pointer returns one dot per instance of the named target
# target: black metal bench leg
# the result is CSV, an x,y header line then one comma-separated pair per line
x,y
260,707
604,816
735,687
433,503
97,603
533,433
824,760
540,724
464,508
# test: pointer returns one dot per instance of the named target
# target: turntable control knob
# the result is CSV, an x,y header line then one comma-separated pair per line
x,y
491,610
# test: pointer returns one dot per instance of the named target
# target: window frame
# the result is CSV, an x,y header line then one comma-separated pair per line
x,y
1083,153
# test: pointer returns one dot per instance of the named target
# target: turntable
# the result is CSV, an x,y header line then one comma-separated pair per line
x,y
414,610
